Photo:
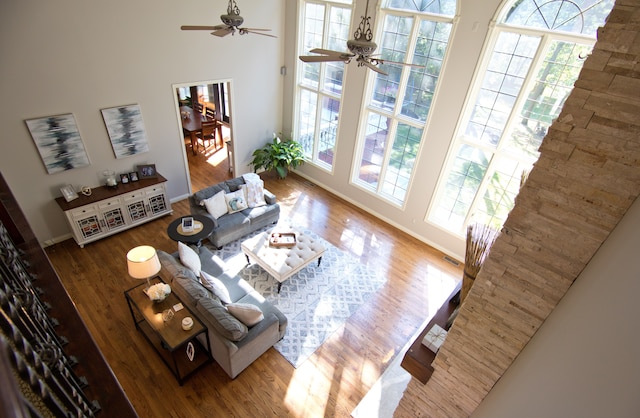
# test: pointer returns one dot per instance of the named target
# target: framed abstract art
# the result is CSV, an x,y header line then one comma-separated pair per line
x,y
59,143
126,130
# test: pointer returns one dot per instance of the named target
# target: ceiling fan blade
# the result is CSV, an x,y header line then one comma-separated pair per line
x,y
253,29
224,31
383,61
201,27
245,30
373,67
330,52
320,58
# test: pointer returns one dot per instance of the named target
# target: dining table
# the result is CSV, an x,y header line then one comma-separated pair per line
x,y
192,124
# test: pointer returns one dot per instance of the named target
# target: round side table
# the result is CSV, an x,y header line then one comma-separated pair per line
x,y
202,228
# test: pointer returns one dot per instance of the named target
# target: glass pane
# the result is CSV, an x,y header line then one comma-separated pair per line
x,y
461,185
313,32
395,37
402,160
337,39
376,138
502,189
422,80
554,82
577,16
307,120
443,7
501,85
328,129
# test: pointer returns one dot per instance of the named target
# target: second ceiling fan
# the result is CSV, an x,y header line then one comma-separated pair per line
x,y
361,46
232,21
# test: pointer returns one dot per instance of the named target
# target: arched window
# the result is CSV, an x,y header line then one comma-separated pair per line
x,y
415,32
535,54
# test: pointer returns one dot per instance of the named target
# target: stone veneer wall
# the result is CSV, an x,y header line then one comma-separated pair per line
x,y
587,176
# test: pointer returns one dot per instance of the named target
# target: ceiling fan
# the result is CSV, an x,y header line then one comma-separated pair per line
x,y
361,47
232,21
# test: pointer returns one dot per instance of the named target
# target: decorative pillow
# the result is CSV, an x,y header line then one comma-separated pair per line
x,y
254,194
235,201
216,205
247,313
215,286
189,258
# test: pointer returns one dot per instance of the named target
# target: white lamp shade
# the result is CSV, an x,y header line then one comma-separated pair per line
x,y
143,262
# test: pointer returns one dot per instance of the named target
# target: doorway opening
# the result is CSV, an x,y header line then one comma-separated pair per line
x,y
209,158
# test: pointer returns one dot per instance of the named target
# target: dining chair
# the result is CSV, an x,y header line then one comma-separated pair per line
x,y
207,134
198,107
210,113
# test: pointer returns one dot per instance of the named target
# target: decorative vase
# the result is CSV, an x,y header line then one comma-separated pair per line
x,y
110,178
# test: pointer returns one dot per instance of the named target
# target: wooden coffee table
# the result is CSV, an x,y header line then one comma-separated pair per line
x,y
282,262
202,228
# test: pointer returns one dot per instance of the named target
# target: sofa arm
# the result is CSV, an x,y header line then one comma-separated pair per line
x,y
269,197
254,332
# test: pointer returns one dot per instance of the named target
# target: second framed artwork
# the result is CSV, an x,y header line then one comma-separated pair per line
x,y
126,130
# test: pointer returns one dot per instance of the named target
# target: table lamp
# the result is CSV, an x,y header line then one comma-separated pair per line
x,y
143,263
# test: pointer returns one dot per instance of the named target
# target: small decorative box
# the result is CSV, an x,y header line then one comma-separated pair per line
x,y
434,338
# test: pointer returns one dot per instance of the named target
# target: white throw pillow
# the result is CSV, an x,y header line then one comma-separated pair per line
x,y
189,258
216,286
235,201
216,205
246,313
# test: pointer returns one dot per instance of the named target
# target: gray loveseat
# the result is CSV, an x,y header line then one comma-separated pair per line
x,y
234,346
232,226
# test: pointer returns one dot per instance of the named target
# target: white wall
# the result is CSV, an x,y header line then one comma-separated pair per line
x,y
73,56
464,51
583,361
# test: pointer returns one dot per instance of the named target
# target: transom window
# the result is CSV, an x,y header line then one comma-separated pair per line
x,y
413,32
536,54
319,89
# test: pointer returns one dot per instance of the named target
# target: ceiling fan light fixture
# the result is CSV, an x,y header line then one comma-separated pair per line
x,y
231,22
361,47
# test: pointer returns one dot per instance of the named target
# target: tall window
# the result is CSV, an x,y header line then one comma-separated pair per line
x,y
535,56
319,90
415,32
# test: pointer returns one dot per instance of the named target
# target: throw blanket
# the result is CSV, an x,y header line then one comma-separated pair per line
x,y
254,190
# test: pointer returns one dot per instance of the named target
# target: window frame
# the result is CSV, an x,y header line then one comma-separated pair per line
x,y
547,37
320,91
395,114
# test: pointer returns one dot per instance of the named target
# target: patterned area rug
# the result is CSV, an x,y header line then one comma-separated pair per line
x,y
317,300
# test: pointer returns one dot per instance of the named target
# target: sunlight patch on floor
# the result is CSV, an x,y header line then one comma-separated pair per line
x,y
216,157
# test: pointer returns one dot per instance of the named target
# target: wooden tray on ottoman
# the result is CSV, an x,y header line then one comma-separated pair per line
x,y
282,239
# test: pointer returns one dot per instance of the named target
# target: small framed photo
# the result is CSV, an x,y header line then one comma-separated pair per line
x,y
147,171
133,176
69,193
124,178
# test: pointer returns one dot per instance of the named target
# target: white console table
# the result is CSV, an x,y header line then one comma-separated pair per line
x,y
111,210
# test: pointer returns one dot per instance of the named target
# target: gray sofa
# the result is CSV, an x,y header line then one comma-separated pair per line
x,y
234,346
233,226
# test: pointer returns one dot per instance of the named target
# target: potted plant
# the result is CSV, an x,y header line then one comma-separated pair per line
x,y
279,155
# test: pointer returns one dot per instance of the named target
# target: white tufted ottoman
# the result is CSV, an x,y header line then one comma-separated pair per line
x,y
283,262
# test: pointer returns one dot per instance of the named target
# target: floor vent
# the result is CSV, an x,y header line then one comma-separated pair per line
x,y
451,260
309,184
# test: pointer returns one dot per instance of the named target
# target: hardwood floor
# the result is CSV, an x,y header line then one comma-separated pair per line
x,y
332,381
